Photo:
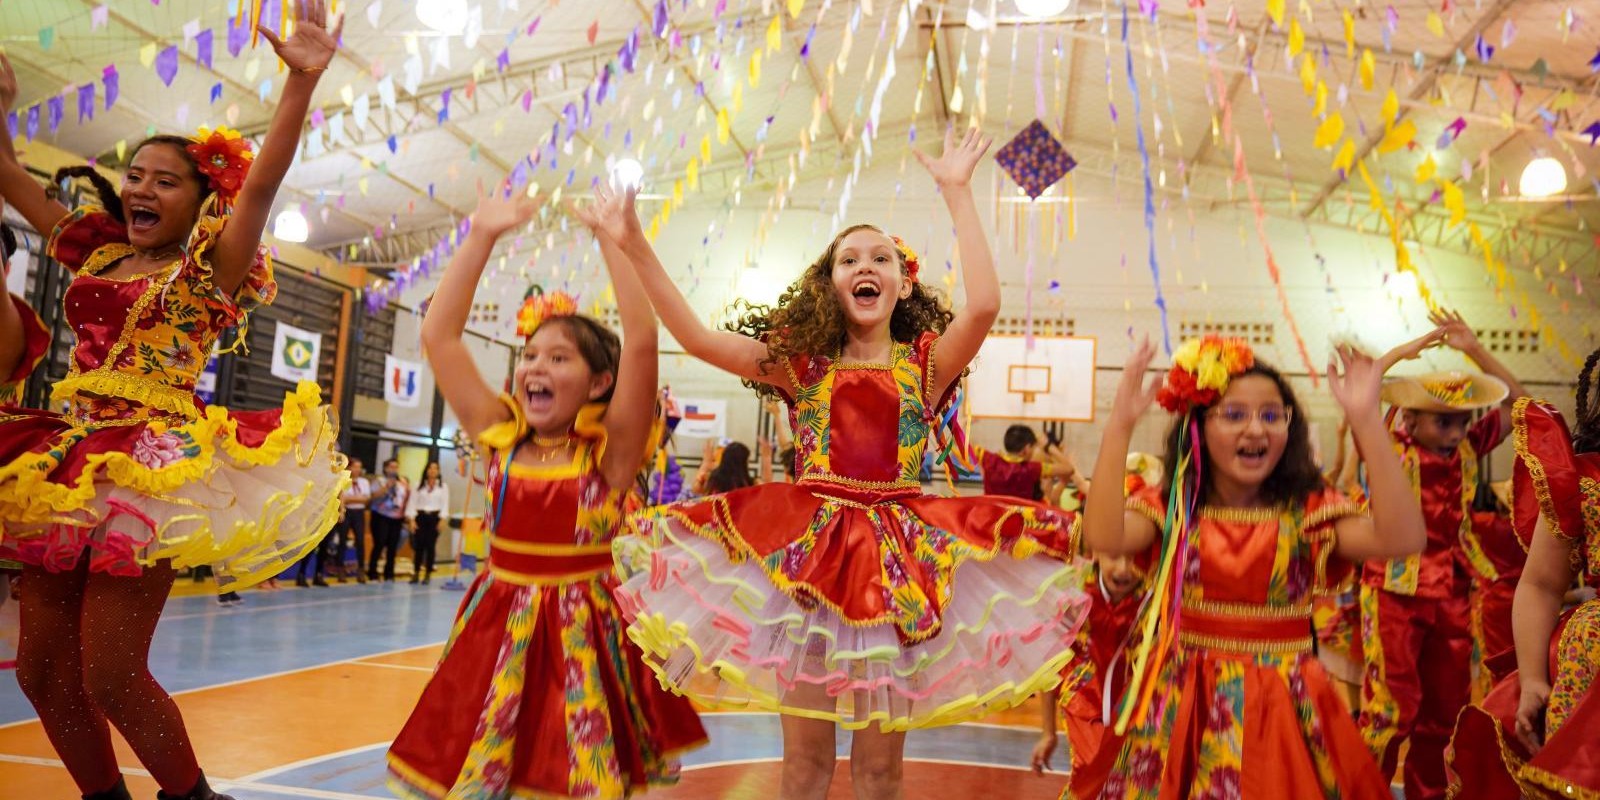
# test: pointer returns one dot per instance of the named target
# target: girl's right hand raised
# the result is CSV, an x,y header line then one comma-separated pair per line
x,y
8,84
1134,395
501,210
611,214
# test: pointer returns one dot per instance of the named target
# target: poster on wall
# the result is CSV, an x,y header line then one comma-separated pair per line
x,y
703,419
295,353
402,381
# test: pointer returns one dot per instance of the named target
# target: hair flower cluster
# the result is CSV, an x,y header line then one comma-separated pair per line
x,y
1201,371
539,305
224,157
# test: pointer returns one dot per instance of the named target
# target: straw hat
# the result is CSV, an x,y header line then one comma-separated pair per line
x,y
1445,392
1147,467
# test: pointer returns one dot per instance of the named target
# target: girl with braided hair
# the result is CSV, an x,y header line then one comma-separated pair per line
x,y
103,502
1534,734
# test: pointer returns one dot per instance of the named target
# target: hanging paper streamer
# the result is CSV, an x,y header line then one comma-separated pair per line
x,y
85,102
109,77
1149,188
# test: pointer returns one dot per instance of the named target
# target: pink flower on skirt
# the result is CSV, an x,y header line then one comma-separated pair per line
x,y
155,451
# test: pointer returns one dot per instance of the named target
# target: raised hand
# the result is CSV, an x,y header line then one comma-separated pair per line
x,y
1355,379
310,48
500,211
955,166
611,214
1134,395
1454,331
1412,349
8,84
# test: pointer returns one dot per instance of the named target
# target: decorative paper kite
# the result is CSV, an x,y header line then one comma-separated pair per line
x,y
1035,159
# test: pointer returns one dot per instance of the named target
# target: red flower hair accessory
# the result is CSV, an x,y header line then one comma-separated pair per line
x,y
1201,371
539,306
913,264
224,157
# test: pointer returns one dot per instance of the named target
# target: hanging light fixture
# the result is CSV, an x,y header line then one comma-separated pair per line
x,y
1544,176
448,17
1041,9
291,226
627,173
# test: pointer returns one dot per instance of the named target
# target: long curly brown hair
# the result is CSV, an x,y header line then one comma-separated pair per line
x,y
808,319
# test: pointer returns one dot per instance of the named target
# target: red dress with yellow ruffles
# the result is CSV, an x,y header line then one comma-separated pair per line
x,y
1243,709
135,470
850,595
1487,760
538,692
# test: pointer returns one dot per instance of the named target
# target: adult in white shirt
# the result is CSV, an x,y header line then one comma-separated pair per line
x,y
354,524
429,503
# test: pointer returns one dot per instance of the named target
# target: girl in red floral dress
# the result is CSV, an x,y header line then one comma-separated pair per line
x,y
1226,697
538,693
136,478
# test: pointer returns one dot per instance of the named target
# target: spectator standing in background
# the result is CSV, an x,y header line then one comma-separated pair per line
x,y
388,512
429,503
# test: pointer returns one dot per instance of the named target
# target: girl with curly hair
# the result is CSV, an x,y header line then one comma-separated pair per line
x,y
850,597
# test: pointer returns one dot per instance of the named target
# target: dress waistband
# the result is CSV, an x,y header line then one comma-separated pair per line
x,y
850,490
1245,628
544,563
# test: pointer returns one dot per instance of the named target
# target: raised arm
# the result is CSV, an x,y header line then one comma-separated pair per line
x,y
17,187
1534,611
630,416
306,53
1108,527
1395,527
477,405
726,350
952,171
1456,333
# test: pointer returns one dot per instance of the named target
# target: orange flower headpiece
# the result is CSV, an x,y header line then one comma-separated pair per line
x,y
1201,370
913,264
539,305
224,157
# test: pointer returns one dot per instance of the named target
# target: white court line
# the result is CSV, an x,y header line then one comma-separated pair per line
x,y
233,611
745,761
306,762
396,666
219,783
356,660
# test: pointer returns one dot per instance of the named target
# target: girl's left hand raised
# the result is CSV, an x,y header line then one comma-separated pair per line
x,y
310,48
611,214
1355,379
960,158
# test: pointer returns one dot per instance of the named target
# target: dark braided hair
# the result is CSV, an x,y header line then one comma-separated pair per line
x,y
108,196
1586,434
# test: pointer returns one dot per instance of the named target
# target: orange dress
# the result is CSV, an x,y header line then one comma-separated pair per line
x,y
1488,761
1243,709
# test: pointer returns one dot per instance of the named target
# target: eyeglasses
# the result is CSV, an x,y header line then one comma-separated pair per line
x,y
1237,417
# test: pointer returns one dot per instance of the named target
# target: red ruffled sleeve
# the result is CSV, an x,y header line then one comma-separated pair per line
x,y
35,343
1550,481
925,348
80,233
258,289
1323,510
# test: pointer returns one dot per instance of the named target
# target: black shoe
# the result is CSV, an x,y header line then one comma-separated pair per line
x,y
414,578
201,791
427,578
318,581
118,792
301,582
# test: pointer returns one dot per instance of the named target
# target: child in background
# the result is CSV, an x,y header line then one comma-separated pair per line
x,y
1016,473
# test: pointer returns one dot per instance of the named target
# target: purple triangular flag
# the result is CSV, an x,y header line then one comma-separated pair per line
x,y
85,102
57,108
167,64
238,34
11,124
216,91
33,121
444,106
272,15
503,62
660,26
113,83
202,48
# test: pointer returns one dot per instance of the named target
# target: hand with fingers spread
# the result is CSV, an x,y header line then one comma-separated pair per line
x,y
1134,394
8,84
1454,331
960,158
1355,379
1412,349
500,211
311,47
611,215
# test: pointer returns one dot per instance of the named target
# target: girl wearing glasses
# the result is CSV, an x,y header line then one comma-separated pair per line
x,y
1226,697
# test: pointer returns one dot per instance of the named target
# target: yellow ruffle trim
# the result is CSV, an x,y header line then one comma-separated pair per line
x,y
28,496
144,391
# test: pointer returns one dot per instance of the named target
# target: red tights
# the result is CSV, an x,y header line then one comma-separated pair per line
x,y
84,664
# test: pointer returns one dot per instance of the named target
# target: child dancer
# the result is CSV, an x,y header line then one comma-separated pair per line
x,y
1226,698
537,693
1415,611
136,479
1534,735
850,597
1016,473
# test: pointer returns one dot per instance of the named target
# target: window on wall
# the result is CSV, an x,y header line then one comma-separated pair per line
x,y
1509,340
1042,326
1258,334
374,340
307,303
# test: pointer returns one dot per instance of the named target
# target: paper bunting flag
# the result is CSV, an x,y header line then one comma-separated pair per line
x,y
1391,107
202,47
85,102
109,77
1397,137
98,16
1484,49
57,108
1035,159
1329,131
1426,169
238,35
32,128
216,91
1346,157
167,64
47,37
1593,132
1369,69
1451,133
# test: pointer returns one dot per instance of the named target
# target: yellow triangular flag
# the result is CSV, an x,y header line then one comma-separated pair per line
x,y
692,175
1424,172
1349,34
1308,74
122,152
1347,156
722,126
1275,10
1329,131
1369,69
1454,202
1321,105
705,148
147,54
1562,100
775,35
1397,137
795,6
1297,38
1435,24
755,68
1391,107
